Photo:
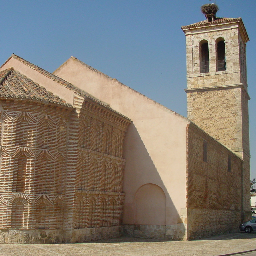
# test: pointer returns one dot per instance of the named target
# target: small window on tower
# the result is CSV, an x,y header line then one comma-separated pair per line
x,y
221,55
229,163
204,57
205,151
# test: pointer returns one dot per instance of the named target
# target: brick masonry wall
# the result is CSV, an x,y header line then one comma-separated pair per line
x,y
214,186
33,157
218,112
61,172
99,194
223,113
246,156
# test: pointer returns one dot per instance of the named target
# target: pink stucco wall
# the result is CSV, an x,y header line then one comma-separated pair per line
x,y
155,147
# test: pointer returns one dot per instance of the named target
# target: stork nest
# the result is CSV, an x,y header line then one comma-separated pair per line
x,y
209,9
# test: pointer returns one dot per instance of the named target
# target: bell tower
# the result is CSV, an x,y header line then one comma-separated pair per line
x,y
217,96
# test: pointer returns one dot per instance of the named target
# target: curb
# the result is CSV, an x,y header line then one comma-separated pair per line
x,y
237,253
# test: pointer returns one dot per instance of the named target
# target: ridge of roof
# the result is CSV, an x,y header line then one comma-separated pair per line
x,y
66,84
208,23
93,69
4,74
14,85
121,84
50,75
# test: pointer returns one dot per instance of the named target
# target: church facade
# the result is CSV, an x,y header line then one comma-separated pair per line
x,y
84,157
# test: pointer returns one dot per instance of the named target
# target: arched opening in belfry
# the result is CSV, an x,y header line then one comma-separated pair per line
x,y
220,55
204,57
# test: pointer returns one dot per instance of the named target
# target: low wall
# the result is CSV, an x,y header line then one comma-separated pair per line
x,y
58,236
31,236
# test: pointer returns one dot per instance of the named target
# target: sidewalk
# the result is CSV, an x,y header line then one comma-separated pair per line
x,y
229,244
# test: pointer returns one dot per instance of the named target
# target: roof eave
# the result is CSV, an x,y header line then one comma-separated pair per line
x,y
201,25
36,101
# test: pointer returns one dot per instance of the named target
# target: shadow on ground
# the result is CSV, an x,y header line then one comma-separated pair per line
x,y
227,236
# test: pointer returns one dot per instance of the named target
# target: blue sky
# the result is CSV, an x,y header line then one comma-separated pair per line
x,y
138,42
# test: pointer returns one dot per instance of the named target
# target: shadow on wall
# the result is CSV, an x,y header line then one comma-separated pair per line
x,y
150,205
149,211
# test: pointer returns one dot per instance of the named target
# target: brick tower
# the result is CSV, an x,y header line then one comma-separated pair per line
x,y
217,96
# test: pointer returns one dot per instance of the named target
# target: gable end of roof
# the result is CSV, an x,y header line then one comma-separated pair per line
x,y
14,85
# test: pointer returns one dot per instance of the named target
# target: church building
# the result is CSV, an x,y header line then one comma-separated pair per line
x,y
85,157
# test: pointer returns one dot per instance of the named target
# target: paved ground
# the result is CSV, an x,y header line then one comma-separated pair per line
x,y
230,244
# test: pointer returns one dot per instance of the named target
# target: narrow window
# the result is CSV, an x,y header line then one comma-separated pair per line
x,y
229,163
205,151
204,57
221,56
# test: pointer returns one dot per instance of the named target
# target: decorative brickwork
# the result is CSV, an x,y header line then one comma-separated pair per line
x,y
33,153
99,196
61,168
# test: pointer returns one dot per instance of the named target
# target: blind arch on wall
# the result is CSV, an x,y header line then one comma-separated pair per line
x,y
150,205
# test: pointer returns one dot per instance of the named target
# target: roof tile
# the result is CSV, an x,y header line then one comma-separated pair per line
x,y
14,85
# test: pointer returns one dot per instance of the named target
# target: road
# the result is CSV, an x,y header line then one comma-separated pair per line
x,y
228,244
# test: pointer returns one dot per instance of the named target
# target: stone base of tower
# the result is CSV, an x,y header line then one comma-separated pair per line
x,y
47,236
209,222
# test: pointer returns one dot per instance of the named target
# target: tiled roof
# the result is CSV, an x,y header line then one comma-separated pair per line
x,y
14,85
59,80
218,21
208,23
64,83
